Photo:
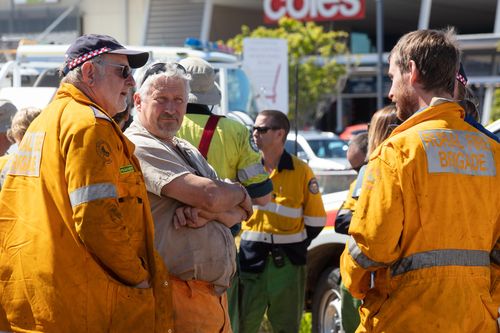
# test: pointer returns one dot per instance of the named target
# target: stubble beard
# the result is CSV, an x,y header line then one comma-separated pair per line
x,y
407,104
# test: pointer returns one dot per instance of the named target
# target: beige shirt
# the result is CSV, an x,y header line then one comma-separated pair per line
x,y
206,253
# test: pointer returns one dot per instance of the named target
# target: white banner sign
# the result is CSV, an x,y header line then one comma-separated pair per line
x,y
265,60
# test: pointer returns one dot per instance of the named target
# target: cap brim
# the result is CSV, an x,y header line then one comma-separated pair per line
x,y
136,59
211,97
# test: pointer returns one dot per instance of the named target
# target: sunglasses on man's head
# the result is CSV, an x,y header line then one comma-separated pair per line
x,y
125,71
264,129
160,67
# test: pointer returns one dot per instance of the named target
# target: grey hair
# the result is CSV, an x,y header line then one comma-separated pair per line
x,y
75,76
171,71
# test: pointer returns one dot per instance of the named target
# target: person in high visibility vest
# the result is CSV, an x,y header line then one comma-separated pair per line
x,y
428,219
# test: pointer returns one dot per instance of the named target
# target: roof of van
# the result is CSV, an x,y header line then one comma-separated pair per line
x,y
55,54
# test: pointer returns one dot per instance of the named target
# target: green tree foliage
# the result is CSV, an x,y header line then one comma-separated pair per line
x,y
312,49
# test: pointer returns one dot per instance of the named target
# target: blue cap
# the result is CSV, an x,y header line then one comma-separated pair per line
x,y
89,46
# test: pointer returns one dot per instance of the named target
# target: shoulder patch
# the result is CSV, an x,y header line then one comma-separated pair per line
x,y
104,151
99,114
313,186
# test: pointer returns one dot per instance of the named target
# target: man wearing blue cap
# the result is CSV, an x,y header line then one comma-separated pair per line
x,y
76,231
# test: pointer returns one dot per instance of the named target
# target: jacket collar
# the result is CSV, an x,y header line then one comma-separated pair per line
x,y
69,90
438,109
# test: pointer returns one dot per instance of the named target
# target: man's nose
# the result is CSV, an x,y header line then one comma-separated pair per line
x,y
391,94
130,80
169,106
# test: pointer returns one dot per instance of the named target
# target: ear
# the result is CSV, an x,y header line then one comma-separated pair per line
x,y
281,134
137,101
88,73
414,73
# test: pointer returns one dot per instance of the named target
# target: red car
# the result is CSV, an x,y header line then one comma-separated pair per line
x,y
352,130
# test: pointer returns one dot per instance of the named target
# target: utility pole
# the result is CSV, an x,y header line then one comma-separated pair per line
x,y
380,52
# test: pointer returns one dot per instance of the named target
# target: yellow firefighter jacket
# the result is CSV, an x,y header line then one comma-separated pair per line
x,y
76,232
426,223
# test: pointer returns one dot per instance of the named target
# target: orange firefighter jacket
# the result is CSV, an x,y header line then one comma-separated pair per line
x,y
425,226
76,232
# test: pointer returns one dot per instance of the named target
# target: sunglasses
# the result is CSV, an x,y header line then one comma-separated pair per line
x,y
161,67
125,72
264,129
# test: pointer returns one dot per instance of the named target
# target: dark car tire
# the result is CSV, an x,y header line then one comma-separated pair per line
x,y
326,315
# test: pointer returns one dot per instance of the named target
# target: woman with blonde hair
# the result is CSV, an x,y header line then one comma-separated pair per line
x,y
20,123
380,127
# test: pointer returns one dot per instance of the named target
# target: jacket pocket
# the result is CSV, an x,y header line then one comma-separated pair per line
x,y
131,205
132,309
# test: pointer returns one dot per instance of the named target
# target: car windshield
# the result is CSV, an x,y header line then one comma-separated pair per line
x,y
239,91
328,148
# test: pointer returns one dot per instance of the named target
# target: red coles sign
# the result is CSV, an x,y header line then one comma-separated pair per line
x,y
314,10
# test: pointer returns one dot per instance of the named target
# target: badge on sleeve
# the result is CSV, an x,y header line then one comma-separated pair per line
x,y
313,186
104,150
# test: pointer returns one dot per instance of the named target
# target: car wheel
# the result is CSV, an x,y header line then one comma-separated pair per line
x,y
326,315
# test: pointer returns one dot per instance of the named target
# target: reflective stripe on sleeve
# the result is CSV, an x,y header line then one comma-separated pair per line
x,y
495,257
275,208
92,192
313,221
360,258
441,258
251,171
257,236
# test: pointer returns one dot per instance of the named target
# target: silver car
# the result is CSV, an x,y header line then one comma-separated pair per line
x,y
321,150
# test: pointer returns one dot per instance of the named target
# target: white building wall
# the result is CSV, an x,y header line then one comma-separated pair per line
x,y
109,17
103,16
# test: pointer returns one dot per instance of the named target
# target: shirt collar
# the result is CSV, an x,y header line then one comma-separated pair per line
x,y
193,108
285,162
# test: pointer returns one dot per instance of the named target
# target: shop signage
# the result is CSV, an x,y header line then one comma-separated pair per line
x,y
314,10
